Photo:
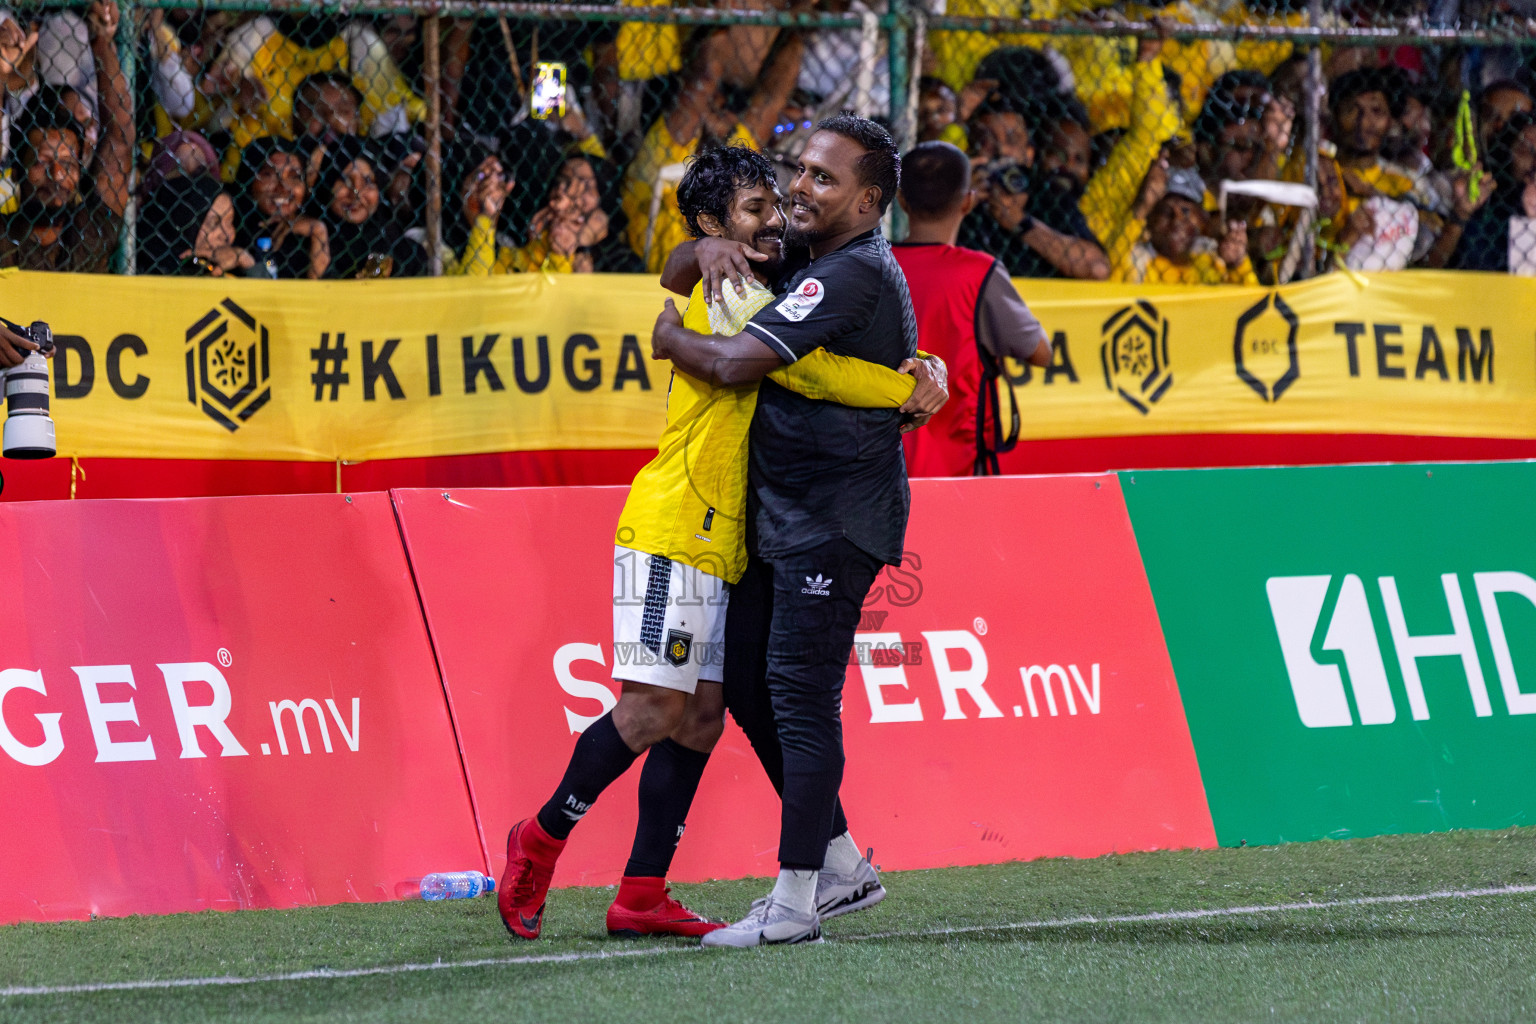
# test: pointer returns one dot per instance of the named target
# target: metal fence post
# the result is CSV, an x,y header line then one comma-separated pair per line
x,y
432,82
901,63
125,260
902,130
1313,134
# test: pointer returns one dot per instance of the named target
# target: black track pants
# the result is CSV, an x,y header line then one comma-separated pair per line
x,y
788,636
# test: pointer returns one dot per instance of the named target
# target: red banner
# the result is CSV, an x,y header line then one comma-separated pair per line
x,y
53,479
179,478
1013,699
217,704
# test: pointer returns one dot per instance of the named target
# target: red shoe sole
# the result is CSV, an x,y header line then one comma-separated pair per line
x,y
639,929
686,931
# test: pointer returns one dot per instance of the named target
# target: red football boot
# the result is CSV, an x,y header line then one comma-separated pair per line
x,y
645,906
531,856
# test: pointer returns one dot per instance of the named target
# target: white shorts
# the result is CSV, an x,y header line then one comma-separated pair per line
x,y
668,621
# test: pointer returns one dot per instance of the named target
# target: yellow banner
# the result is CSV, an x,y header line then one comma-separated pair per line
x,y
198,368
1418,352
362,370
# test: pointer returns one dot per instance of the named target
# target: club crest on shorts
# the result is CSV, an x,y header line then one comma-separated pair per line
x,y
679,644
798,304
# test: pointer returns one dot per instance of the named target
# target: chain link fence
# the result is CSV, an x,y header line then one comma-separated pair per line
x,y
1219,141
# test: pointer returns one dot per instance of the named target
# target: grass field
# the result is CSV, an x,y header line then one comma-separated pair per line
x,y
1006,943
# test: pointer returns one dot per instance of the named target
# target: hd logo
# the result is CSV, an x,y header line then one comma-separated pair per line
x,y
228,369
1298,605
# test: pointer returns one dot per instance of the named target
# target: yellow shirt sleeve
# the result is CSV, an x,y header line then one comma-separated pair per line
x,y
1243,273
647,49
479,251
279,64
1103,70
1262,55
377,77
845,380
956,55
535,256
1113,188
819,375
1120,247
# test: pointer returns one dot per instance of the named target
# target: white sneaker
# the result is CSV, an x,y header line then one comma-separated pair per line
x,y
768,923
843,894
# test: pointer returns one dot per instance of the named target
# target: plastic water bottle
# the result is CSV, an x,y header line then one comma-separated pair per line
x,y
265,266
455,885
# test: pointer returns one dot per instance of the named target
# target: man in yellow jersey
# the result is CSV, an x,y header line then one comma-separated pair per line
x,y
679,545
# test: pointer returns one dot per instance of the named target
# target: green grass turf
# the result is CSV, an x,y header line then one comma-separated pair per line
x,y
1451,960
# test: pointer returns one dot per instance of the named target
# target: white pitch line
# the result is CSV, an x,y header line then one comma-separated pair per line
x,y
561,958
1192,915
325,972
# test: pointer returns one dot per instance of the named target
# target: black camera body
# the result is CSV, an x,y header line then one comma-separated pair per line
x,y
1013,178
39,334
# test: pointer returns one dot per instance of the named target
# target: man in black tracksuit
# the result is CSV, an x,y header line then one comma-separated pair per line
x,y
828,500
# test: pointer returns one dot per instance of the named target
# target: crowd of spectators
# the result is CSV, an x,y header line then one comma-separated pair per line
x,y
293,146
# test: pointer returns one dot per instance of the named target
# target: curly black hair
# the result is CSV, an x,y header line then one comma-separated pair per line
x,y
1387,81
881,164
713,178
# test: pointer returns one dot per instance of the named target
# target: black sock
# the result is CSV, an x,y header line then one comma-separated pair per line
x,y
601,756
667,784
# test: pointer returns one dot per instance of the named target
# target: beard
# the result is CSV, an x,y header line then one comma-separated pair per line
x,y
37,213
1402,147
801,238
775,254
1062,187
794,252
1359,145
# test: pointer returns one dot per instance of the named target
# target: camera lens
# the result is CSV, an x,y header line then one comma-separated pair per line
x,y
1012,178
28,428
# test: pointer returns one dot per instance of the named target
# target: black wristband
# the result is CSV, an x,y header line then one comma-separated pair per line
x,y
1026,225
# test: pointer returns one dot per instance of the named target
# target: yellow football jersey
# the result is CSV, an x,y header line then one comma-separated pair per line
x,y
689,503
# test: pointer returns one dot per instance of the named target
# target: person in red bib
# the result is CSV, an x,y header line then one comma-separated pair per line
x,y
968,313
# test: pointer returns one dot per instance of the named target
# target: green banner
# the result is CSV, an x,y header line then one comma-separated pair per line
x,y
1355,646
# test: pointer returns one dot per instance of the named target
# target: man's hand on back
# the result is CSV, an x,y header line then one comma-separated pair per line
x,y
721,261
931,393
668,319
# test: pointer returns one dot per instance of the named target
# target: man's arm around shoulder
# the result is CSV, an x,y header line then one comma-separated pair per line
x,y
720,360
